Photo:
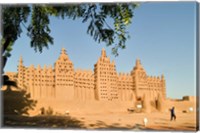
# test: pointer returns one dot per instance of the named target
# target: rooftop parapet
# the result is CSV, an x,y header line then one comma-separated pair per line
x,y
83,72
39,67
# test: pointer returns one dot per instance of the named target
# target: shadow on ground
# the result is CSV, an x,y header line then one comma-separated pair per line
x,y
68,122
100,125
42,122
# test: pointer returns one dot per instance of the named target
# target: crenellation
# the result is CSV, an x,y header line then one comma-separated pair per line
x,y
84,83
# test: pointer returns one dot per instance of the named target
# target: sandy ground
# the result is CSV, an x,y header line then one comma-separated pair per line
x,y
105,121
104,116
134,121
114,116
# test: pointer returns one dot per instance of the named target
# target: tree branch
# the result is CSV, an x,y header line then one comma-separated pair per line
x,y
5,45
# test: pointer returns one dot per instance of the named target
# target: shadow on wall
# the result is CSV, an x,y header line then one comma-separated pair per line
x,y
15,102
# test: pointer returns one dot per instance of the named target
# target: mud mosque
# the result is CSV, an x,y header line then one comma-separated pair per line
x,y
63,83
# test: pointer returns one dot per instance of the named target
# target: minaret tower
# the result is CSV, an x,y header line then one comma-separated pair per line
x,y
163,86
139,79
105,79
64,76
21,73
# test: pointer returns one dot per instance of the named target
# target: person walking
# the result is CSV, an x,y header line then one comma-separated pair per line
x,y
172,111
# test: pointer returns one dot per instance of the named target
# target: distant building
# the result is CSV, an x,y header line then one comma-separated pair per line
x,y
63,82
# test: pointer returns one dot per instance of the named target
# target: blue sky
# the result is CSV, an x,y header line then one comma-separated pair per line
x,y
162,37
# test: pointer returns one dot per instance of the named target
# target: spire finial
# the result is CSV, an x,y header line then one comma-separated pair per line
x,y
63,51
138,64
20,60
63,54
103,52
162,77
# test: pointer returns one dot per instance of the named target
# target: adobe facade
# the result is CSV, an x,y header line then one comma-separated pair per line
x,y
63,82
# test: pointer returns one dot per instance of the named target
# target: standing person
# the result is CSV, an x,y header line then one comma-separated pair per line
x,y
172,111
